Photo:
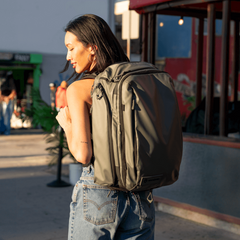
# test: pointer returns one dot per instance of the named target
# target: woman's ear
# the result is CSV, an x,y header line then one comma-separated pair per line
x,y
92,48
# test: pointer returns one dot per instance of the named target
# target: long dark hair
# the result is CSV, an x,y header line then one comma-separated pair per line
x,y
93,30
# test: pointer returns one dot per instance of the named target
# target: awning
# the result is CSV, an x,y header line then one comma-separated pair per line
x,y
189,7
136,4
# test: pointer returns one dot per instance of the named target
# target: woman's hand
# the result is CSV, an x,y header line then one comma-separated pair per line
x,y
64,118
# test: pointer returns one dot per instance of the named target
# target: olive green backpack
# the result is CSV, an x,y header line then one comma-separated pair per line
x,y
136,128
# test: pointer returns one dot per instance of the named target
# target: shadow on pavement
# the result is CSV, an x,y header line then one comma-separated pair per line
x,y
28,208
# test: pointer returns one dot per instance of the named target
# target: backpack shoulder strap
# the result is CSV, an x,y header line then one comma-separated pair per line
x,y
89,76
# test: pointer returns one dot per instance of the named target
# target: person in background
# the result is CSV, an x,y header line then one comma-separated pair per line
x,y
29,86
52,94
7,98
61,98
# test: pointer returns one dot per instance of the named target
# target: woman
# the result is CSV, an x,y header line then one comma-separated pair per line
x,y
95,211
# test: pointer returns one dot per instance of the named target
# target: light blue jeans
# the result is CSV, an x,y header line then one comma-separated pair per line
x,y
99,213
5,117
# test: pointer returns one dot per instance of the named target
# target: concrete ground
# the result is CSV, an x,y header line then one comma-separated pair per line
x,y
29,210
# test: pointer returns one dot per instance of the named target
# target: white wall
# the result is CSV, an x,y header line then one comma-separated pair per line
x,y
31,26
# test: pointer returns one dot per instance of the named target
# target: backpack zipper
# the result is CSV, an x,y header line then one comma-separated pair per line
x,y
109,121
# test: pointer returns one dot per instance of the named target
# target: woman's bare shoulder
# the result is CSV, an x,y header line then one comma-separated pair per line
x,y
81,89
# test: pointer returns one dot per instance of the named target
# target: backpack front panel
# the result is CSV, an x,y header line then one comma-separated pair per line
x,y
149,146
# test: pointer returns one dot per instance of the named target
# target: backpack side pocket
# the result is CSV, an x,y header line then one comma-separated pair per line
x,y
104,171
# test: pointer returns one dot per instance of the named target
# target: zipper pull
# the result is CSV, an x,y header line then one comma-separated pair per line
x,y
100,91
100,86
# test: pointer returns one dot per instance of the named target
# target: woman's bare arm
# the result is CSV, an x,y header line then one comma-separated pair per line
x,y
75,120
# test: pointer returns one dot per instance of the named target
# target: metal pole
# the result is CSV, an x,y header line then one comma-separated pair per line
x,y
224,68
199,62
152,37
234,94
58,182
129,37
140,35
60,156
145,37
210,69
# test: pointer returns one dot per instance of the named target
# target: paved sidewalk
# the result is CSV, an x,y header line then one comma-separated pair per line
x,y
29,210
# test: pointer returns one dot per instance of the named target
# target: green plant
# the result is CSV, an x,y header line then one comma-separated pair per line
x,y
42,114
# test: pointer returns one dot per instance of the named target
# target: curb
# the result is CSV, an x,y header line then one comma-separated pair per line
x,y
200,215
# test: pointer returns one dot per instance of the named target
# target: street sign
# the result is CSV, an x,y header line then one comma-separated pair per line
x,y
130,25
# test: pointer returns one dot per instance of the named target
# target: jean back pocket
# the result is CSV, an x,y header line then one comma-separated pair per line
x,y
99,204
